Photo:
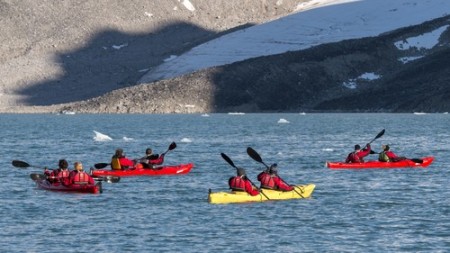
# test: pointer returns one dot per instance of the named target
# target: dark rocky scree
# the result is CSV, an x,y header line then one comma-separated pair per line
x,y
309,80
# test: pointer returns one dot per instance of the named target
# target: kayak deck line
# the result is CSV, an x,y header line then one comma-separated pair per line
x,y
408,163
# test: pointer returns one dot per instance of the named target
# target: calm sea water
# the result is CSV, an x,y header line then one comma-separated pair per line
x,y
398,210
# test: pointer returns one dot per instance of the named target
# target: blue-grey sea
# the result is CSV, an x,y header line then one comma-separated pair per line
x,y
378,210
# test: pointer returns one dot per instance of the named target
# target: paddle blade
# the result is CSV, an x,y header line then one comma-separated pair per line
x,y
108,179
36,177
100,165
379,134
20,164
172,146
416,160
226,158
254,155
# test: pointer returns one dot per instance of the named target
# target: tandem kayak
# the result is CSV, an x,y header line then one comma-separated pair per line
x,y
159,171
412,163
241,197
43,183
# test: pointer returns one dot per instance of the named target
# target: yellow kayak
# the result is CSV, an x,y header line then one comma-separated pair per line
x,y
304,191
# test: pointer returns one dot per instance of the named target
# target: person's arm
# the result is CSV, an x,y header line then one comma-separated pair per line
x,y
282,185
249,188
365,151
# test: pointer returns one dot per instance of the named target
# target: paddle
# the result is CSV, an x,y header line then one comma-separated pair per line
x,y
255,156
34,176
226,158
22,164
376,137
172,146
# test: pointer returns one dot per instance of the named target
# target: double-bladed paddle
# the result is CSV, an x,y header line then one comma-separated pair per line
x,y
226,158
255,156
172,146
34,176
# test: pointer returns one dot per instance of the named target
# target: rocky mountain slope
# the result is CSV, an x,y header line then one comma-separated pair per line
x,y
326,78
54,52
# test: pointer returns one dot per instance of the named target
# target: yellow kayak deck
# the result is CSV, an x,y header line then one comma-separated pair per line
x,y
301,191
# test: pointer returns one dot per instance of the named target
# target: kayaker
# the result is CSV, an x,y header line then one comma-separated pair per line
x,y
61,174
270,180
240,182
150,159
358,155
388,156
78,176
119,161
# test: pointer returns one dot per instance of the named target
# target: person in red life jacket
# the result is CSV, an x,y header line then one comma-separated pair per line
x,y
240,182
388,156
78,176
119,161
358,155
150,160
270,180
60,175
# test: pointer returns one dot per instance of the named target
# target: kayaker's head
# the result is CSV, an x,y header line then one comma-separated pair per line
x,y
63,164
148,151
119,153
78,166
273,168
357,147
385,147
241,172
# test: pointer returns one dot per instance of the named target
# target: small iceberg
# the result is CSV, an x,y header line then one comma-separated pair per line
x,y
127,139
101,137
236,113
205,115
186,140
419,113
283,121
303,113
328,149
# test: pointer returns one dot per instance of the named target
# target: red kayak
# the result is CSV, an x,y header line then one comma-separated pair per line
x,y
158,171
412,163
79,188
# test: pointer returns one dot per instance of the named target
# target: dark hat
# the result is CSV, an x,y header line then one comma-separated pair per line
x,y
386,147
240,171
273,168
63,164
148,151
357,147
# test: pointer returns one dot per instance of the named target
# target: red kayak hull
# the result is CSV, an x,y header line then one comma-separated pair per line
x,y
381,165
134,172
46,185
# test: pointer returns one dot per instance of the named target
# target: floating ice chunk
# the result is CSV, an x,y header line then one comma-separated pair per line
x,y
283,121
101,137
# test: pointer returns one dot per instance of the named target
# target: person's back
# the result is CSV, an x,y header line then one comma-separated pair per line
x,y
386,155
357,156
59,175
78,176
241,183
270,180
150,159
119,161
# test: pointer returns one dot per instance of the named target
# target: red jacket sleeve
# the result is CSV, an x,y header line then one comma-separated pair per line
x,y
249,188
364,152
281,185
126,162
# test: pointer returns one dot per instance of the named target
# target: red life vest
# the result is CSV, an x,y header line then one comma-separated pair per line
x,y
267,181
63,173
237,183
81,178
